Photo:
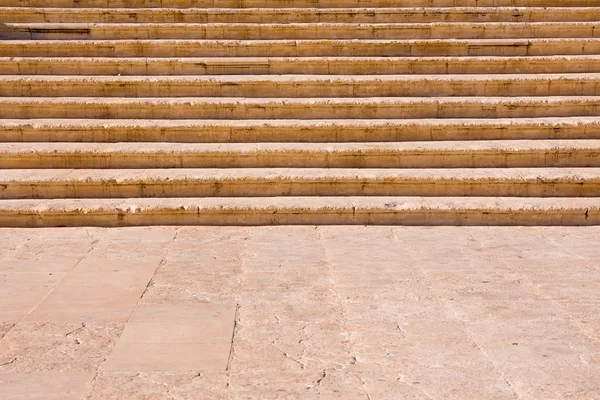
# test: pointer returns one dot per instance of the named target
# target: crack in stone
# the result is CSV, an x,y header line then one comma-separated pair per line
x,y
8,362
364,384
323,376
402,331
494,366
176,233
76,329
297,360
162,263
166,386
2,335
333,284
278,320
235,329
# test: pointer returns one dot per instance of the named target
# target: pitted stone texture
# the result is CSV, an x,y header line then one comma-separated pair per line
x,y
159,385
350,312
40,347
4,328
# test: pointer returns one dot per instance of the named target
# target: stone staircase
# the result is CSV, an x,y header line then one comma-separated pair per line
x,y
432,112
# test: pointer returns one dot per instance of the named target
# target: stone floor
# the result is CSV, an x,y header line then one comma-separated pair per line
x,y
314,312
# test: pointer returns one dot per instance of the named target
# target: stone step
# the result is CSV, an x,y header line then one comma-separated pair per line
x,y
294,3
448,154
297,65
301,210
261,182
298,108
244,31
302,86
302,15
300,131
300,48
522,153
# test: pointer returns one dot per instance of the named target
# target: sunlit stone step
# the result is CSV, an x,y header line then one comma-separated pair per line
x,y
301,210
300,48
446,154
302,86
297,65
296,15
245,31
298,108
294,3
260,182
300,131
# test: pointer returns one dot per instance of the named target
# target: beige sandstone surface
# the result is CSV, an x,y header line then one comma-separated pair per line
x,y
300,312
206,118
253,112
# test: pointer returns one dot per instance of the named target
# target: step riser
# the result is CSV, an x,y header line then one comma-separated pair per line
x,y
265,66
264,131
291,159
301,31
300,88
269,16
293,3
300,48
268,187
203,108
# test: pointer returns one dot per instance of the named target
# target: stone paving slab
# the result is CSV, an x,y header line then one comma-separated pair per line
x,y
330,312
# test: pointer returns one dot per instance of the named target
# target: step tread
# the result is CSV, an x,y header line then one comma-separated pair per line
x,y
299,47
140,25
184,66
321,10
80,123
299,130
223,175
298,108
308,78
291,100
111,4
262,42
479,146
300,203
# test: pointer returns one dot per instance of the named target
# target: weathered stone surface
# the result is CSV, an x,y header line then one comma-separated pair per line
x,y
424,313
49,385
40,347
297,113
159,385
4,328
